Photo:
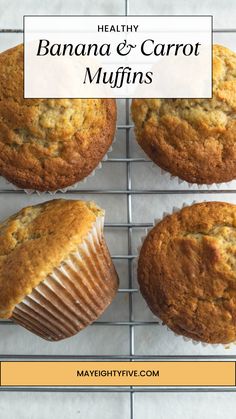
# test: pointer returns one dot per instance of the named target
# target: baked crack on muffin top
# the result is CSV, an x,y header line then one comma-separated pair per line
x,y
194,139
49,144
187,271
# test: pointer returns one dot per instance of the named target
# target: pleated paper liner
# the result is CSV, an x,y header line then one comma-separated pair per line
x,y
187,185
68,188
75,294
186,339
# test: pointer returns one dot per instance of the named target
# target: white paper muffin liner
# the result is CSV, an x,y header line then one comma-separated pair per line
x,y
75,294
67,188
169,177
186,339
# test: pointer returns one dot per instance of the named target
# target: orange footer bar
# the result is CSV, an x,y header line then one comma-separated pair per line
x,y
136,373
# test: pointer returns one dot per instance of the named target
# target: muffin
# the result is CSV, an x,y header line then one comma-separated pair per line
x,y
194,139
49,144
56,274
187,272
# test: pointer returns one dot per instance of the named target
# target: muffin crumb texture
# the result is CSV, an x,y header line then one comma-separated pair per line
x,y
187,272
35,241
49,144
194,139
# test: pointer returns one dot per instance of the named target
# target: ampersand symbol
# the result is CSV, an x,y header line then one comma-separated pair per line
x,y
124,48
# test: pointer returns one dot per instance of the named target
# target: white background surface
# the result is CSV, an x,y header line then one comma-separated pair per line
x,y
108,340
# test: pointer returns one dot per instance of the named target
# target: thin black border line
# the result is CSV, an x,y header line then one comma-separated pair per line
x,y
117,358
118,16
86,386
121,15
216,30
24,56
219,386
212,20
235,374
128,361
40,389
127,390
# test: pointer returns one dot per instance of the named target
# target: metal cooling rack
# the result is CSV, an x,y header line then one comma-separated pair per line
x,y
131,323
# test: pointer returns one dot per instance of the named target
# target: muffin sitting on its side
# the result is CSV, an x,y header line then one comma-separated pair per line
x,y
194,139
56,273
49,144
187,272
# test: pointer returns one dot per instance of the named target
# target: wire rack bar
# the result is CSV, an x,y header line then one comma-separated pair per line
x,y
102,323
129,219
133,191
128,160
119,390
126,225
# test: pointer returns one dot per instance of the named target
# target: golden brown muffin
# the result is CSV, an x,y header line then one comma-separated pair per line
x,y
194,139
49,144
187,271
56,274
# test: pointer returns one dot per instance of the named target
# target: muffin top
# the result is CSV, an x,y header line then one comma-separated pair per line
x,y
48,144
35,241
194,139
187,271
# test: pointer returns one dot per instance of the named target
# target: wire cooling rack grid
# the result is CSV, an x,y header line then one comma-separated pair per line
x,y
128,228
